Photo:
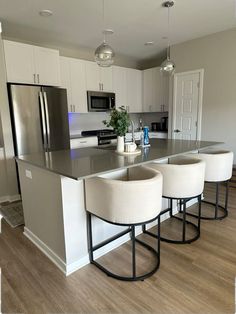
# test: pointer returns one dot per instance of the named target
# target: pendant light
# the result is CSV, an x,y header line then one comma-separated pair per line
x,y
104,54
168,66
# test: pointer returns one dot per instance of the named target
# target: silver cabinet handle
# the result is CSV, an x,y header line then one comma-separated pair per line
x,y
47,119
74,108
177,131
35,78
83,142
102,86
43,120
38,78
71,108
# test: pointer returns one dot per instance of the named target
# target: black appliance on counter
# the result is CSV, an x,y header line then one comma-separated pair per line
x,y
160,126
105,136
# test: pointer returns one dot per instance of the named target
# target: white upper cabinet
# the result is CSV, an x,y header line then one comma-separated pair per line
x,y
73,79
78,85
155,91
47,66
19,62
106,78
127,85
98,78
119,85
31,64
134,90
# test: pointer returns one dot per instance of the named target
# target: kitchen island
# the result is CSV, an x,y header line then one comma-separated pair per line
x,y
52,187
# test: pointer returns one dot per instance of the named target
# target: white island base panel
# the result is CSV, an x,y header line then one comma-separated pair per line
x,y
55,218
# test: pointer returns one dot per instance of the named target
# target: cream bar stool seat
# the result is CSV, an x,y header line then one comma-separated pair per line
x,y
183,180
130,200
219,168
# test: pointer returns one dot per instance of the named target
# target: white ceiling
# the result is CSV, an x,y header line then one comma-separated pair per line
x,y
79,22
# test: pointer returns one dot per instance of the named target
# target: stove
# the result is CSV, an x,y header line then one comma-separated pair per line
x,y
105,136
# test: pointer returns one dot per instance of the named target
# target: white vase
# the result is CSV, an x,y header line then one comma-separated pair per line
x,y
120,144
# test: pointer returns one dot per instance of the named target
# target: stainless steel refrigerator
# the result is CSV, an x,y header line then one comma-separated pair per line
x,y
39,118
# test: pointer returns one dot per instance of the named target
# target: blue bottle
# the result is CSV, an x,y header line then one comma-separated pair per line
x,y
146,135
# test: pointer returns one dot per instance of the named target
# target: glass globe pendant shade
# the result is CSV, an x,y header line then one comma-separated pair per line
x,y
104,55
167,67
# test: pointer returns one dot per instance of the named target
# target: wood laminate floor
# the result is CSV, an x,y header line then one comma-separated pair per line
x,y
195,278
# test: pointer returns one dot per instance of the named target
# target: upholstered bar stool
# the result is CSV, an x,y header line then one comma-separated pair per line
x,y
183,180
130,200
219,168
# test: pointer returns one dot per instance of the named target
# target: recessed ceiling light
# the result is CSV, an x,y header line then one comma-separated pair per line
x,y
149,43
108,31
45,13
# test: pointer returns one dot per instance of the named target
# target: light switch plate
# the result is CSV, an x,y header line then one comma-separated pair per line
x,y
28,174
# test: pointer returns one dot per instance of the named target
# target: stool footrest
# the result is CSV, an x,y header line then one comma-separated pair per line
x,y
117,236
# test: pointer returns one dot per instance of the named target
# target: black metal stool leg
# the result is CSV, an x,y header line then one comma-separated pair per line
x,y
133,252
227,196
199,212
171,208
184,220
90,236
217,200
159,235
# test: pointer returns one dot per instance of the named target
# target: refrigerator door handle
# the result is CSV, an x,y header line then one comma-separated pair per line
x,y
47,119
43,121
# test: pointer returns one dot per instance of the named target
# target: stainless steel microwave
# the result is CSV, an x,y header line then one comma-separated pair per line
x,y
101,101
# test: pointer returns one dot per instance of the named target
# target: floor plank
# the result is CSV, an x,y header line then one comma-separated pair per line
x,y
195,278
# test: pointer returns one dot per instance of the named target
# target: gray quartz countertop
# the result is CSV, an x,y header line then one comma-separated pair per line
x,y
87,162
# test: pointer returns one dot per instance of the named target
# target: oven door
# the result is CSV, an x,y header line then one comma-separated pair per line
x,y
98,101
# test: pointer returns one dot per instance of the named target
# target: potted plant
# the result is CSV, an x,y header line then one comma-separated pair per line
x,y
119,121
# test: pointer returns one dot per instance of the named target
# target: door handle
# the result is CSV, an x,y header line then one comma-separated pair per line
x,y
43,120
177,131
47,119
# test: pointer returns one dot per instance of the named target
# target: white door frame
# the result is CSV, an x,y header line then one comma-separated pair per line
x,y
200,100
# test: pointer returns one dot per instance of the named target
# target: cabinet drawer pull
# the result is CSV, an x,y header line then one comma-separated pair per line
x,y
38,78
83,142
35,78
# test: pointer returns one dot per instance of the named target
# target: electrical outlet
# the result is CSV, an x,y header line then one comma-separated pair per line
x,y
28,174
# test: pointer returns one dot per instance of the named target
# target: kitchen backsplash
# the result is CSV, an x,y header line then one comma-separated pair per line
x,y
93,120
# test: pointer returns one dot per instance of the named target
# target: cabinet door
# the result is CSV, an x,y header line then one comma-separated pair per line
x,y
147,90
19,62
134,90
119,85
157,90
93,76
66,79
106,79
78,85
47,66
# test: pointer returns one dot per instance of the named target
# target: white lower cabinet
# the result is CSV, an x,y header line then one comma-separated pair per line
x,y
91,141
158,135
73,79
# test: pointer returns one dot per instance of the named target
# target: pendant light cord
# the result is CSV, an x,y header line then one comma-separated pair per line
x,y
168,48
103,20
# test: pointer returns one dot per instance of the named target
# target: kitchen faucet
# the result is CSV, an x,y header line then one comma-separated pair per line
x,y
132,125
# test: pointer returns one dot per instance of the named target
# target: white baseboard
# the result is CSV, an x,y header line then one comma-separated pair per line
x,y
10,198
45,249
68,269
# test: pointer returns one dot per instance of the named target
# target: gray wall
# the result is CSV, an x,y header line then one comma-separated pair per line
x,y
216,54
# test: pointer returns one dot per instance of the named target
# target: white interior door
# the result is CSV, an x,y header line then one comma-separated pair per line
x,y
187,105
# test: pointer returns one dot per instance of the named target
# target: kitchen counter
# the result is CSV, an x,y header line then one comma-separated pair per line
x,y
53,190
88,162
